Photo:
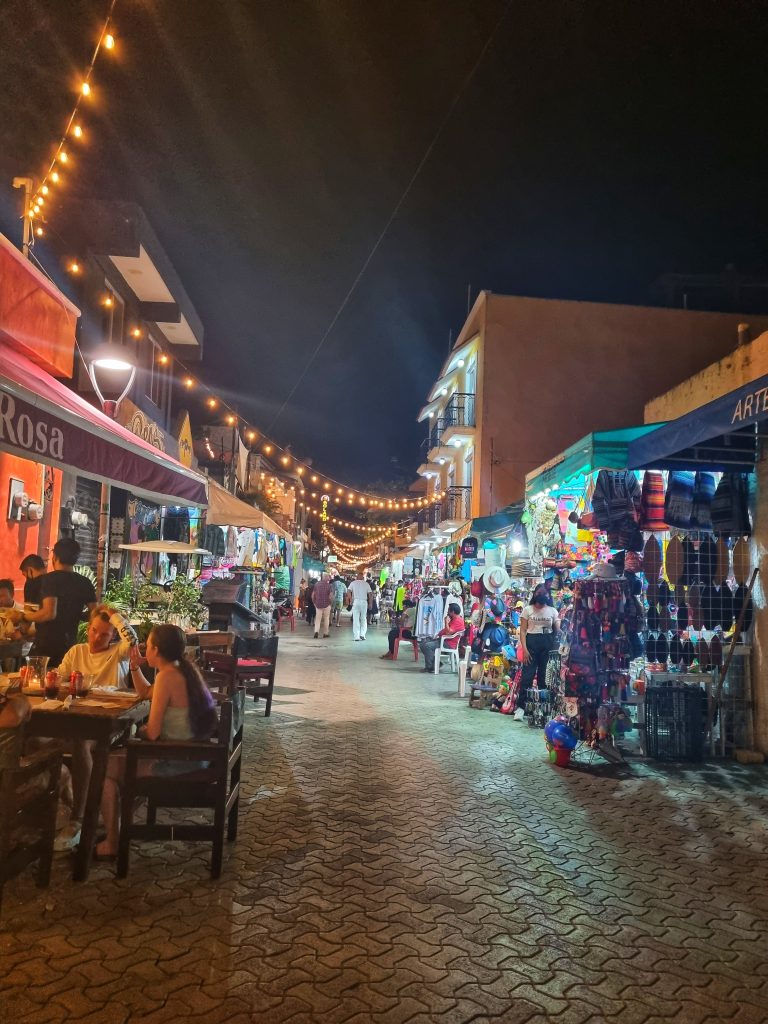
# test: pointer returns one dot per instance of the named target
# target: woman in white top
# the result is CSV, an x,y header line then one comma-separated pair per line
x,y
181,708
538,625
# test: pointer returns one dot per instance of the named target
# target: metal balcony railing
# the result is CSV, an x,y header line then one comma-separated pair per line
x,y
460,411
457,504
432,440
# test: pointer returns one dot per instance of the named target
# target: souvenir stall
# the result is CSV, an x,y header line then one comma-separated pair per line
x,y
650,570
709,462
252,564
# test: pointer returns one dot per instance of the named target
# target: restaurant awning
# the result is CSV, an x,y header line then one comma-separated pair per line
x,y
224,509
606,449
720,436
43,420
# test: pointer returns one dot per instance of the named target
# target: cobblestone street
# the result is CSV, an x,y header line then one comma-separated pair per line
x,y
404,858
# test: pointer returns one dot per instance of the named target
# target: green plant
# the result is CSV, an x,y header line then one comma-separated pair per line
x,y
185,603
121,593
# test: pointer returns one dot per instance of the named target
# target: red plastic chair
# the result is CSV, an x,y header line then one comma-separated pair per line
x,y
285,613
410,640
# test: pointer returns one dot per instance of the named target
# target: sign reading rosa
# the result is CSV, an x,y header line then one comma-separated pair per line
x,y
20,430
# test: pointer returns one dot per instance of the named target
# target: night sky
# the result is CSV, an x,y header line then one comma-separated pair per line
x,y
596,146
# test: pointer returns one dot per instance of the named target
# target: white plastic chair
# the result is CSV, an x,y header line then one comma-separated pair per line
x,y
451,653
463,671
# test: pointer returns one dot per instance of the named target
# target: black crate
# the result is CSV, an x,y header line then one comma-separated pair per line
x,y
674,723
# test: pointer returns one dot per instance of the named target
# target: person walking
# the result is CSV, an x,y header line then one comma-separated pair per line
x,y
360,595
338,593
322,596
309,604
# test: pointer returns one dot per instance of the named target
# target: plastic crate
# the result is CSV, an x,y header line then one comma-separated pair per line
x,y
674,723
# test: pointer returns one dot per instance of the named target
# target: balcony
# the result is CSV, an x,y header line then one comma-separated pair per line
x,y
458,422
457,506
460,411
432,440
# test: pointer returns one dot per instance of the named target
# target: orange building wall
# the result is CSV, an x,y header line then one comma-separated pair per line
x,y
18,539
554,371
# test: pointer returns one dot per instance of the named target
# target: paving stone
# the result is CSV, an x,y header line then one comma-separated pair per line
x,y
402,858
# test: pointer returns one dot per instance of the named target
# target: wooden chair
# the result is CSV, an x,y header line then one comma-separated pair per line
x,y
216,787
256,667
29,792
406,639
215,640
219,672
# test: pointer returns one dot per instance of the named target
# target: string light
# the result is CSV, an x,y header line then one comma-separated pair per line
x,y
73,127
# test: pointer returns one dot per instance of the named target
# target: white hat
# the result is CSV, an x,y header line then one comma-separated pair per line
x,y
496,579
604,571
454,587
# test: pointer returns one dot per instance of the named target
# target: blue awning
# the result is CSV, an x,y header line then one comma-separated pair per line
x,y
605,449
499,522
720,436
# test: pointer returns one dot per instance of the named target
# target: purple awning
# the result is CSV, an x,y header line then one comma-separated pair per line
x,y
43,420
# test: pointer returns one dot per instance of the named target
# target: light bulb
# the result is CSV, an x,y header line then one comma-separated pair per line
x,y
44,190
212,403
39,232
77,131
251,435
54,176
85,89
109,301
188,382
74,267
136,332
109,41
63,156
163,359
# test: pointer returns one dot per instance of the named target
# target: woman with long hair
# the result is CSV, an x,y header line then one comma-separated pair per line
x,y
181,708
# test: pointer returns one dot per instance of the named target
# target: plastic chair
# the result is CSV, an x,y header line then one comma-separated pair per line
x,y
409,640
451,653
464,671
285,613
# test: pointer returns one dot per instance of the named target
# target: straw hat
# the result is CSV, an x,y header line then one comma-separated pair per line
x,y
496,580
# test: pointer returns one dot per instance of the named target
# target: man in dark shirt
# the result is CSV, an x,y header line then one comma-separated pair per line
x,y
33,569
64,594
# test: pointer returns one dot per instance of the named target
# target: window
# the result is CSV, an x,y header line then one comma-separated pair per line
x,y
469,463
156,376
114,315
471,384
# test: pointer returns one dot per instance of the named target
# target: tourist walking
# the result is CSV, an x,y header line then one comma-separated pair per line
x,y
360,595
322,596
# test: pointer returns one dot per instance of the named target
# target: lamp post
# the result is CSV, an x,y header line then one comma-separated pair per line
x,y
120,370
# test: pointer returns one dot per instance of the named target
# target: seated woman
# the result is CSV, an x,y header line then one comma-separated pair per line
x,y
182,708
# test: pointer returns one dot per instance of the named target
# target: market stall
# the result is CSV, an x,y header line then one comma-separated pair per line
x,y
651,572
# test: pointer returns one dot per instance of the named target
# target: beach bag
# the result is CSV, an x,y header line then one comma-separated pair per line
x,y
730,506
703,494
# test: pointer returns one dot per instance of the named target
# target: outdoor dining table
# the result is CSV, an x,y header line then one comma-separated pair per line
x,y
101,717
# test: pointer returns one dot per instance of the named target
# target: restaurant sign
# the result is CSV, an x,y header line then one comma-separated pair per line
x,y
32,432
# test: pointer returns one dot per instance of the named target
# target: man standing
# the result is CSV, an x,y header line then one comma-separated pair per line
x,y
321,597
33,569
360,595
64,594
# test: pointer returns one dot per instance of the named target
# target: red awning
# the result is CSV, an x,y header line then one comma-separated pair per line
x,y
42,420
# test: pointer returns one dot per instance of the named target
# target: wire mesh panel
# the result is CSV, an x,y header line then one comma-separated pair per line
x,y
674,717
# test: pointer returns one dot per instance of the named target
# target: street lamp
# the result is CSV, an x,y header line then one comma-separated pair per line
x,y
116,369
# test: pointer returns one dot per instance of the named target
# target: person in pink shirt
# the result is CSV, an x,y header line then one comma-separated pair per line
x,y
453,629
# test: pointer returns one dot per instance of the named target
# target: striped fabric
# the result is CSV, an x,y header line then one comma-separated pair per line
x,y
652,502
